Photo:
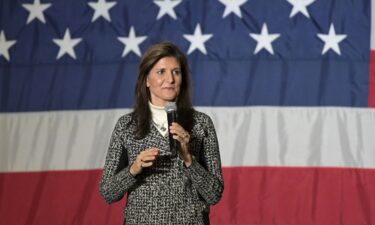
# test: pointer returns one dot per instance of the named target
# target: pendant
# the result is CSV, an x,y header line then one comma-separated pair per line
x,y
161,127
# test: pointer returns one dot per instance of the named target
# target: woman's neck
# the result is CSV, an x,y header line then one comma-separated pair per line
x,y
159,118
157,107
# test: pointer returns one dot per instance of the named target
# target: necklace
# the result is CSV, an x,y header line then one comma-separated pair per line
x,y
160,126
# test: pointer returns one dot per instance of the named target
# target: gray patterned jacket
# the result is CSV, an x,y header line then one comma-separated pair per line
x,y
167,192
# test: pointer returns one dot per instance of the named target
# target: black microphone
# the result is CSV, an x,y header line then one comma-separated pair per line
x,y
171,110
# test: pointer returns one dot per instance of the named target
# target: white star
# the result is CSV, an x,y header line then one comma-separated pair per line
x,y
300,6
167,7
232,6
197,40
67,44
36,11
101,8
332,40
5,45
264,39
132,43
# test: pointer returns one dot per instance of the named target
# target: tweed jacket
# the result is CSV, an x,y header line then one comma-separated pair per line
x,y
168,192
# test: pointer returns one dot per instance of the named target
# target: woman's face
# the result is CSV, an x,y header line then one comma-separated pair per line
x,y
164,81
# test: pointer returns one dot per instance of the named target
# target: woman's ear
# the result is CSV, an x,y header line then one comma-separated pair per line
x,y
147,84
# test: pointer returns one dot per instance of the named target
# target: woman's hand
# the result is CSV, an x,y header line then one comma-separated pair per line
x,y
181,135
144,159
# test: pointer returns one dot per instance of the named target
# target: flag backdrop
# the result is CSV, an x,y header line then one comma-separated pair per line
x,y
289,84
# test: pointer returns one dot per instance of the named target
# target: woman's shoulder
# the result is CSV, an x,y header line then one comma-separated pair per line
x,y
201,117
203,124
125,120
126,117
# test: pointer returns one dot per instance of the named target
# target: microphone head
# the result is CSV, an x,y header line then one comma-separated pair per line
x,y
170,106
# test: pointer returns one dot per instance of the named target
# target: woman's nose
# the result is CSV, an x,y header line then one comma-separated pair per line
x,y
170,77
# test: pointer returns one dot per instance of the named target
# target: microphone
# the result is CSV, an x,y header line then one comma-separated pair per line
x,y
171,110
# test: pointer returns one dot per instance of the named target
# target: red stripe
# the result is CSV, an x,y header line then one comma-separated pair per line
x,y
371,97
253,195
47,198
295,196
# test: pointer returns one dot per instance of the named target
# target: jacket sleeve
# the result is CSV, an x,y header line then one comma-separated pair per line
x,y
116,179
205,173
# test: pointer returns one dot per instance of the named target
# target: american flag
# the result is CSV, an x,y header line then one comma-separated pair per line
x,y
289,84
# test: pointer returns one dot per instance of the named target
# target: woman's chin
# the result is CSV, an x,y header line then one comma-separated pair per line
x,y
170,98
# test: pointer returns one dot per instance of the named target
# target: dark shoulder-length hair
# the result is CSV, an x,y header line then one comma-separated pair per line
x,y
142,112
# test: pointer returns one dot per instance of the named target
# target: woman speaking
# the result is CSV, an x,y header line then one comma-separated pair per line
x,y
162,187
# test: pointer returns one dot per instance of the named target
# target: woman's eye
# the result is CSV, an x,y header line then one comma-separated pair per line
x,y
176,72
160,72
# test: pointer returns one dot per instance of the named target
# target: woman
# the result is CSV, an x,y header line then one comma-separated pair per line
x,y
162,188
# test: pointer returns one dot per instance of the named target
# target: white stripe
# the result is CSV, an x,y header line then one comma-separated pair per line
x,y
55,140
372,30
272,136
248,136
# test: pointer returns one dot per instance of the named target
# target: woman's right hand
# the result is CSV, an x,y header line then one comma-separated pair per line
x,y
144,159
